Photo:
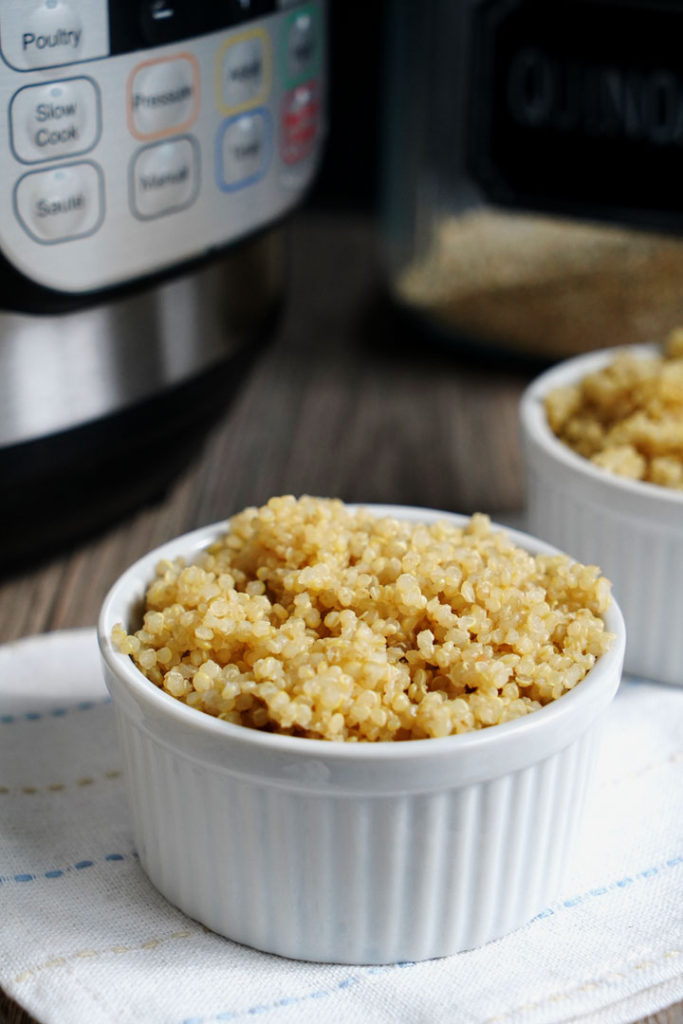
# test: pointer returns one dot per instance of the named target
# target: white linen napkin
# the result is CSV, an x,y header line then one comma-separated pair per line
x,y
86,939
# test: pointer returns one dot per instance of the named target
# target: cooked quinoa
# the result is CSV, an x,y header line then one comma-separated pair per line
x,y
628,417
314,619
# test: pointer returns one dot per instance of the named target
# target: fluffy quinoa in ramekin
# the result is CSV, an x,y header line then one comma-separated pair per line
x,y
321,620
627,416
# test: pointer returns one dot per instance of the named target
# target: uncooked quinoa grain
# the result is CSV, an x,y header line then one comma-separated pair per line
x,y
315,619
546,286
628,417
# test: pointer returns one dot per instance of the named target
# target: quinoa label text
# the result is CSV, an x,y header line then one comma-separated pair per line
x,y
576,107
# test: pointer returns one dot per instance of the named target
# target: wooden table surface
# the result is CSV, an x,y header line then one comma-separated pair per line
x,y
335,406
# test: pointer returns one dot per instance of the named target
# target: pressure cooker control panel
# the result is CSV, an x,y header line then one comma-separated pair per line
x,y
139,135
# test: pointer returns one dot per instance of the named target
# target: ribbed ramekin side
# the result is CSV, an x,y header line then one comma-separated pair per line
x,y
343,878
528,823
170,828
644,563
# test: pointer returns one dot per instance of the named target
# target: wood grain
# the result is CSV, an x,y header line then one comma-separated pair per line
x,y
341,403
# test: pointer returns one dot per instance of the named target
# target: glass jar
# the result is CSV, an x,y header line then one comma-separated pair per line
x,y
522,210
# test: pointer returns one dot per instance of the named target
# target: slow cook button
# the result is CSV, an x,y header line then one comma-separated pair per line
x,y
163,96
243,149
62,203
53,120
165,178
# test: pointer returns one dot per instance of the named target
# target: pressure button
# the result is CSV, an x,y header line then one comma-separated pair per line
x,y
61,203
163,96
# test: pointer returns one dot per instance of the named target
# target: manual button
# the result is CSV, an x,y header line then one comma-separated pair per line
x,y
54,120
62,203
165,178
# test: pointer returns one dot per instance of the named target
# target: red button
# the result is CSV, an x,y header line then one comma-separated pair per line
x,y
299,121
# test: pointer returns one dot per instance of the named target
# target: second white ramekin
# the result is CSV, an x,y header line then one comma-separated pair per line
x,y
632,530
354,853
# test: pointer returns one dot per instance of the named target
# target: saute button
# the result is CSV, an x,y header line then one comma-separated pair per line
x,y
55,119
60,204
165,178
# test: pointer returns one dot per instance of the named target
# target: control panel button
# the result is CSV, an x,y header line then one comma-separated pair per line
x,y
165,178
53,33
300,46
299,122
54,120
244,149
243,69
163,96
124,156
61,203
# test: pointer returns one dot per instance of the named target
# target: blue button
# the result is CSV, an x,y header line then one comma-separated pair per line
x,y
244,147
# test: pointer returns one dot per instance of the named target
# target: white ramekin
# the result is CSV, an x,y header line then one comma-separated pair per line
x,y
632,530
351,853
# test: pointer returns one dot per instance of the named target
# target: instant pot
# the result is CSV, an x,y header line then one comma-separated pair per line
x,y
150,151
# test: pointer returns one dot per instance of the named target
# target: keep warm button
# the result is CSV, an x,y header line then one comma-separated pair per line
x,y
60,204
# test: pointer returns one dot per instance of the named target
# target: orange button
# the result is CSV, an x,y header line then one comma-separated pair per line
x,y
163,96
